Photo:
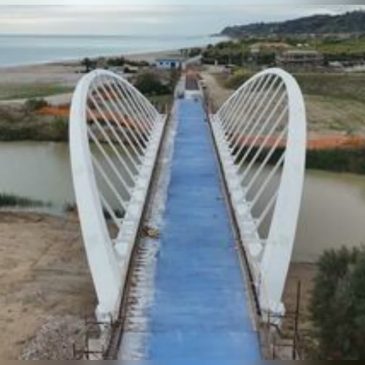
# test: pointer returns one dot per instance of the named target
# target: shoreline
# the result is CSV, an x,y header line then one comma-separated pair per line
x,y
205,40
72,61
56,73
54,80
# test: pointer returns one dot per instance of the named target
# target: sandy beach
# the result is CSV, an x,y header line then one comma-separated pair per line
x,y
66,72
57,78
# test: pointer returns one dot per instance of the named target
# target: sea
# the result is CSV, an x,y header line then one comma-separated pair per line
x,y
31,49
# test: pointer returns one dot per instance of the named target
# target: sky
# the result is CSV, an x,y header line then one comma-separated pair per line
x,y
154,17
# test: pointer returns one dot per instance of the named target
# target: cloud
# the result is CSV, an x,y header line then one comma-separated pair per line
x,y
145,17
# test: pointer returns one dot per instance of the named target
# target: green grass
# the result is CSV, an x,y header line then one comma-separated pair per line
x,y
26,91
239,77
161,101
349,160
10,200
338,47
335,102
337,160
337,85
342,86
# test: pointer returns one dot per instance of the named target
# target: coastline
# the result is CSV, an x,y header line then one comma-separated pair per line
x,y
94,47
60,77
70,61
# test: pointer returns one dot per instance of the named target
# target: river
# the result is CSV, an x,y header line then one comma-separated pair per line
x,y
332,214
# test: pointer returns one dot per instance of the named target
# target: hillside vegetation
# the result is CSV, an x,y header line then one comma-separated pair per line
x,y
351,22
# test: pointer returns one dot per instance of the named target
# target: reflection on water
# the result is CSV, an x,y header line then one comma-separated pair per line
x,y
332,215
36,170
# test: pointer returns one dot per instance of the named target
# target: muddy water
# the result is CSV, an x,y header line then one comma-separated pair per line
x,y
40,171
332,215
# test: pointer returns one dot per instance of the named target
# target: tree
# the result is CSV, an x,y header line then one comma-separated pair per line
x,y
338,305
88,64
174,78
116,61
35,104
150,84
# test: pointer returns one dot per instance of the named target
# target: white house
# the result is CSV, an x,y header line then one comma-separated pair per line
x,y
170,63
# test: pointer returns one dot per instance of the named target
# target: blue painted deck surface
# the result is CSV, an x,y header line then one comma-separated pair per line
x,y
200,309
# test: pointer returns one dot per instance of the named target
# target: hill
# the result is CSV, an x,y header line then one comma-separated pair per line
x,y
351,22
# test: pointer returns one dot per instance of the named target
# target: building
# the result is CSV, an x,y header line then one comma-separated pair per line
x,y
264,47
170,63
300,58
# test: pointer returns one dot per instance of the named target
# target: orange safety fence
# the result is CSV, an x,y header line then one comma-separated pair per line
x,y
64,111
324,142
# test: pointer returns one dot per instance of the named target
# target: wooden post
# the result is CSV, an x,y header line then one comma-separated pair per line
x,y
296,321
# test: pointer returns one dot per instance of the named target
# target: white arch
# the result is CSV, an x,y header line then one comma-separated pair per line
x,y
265,117
115,134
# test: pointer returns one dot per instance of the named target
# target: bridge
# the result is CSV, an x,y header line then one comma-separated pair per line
x,y
226,191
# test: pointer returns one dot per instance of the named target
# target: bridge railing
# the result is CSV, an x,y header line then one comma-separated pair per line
x,y
115,133
260,132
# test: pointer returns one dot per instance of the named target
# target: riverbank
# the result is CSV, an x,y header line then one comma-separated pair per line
x,y
296,298
335,109
336,128
46,289
24,123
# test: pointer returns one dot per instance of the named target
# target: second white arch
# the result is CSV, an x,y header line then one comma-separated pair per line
x,y
260,132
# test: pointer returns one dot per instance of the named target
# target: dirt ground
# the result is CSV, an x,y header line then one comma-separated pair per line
x,y
217,94
305,274
46,289
44,280
66,73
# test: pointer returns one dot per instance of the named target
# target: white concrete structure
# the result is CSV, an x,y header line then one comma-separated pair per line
x,y
261,137
115,134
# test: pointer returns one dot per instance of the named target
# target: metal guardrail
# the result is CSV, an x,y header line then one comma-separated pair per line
x,y
115,134
260,132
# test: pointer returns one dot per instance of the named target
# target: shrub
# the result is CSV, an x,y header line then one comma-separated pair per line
x,y
150,84
339,160
116,61
129,70
135,63
35,104
69,207
338,305
9,200
193,52
88,64
60,127
237,79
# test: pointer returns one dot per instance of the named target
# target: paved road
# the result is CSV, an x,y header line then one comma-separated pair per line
x,y
191,82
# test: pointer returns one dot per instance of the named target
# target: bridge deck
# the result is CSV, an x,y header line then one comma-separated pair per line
x,y
200,308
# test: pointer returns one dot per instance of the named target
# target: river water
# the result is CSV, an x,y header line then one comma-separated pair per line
x,y
332,214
